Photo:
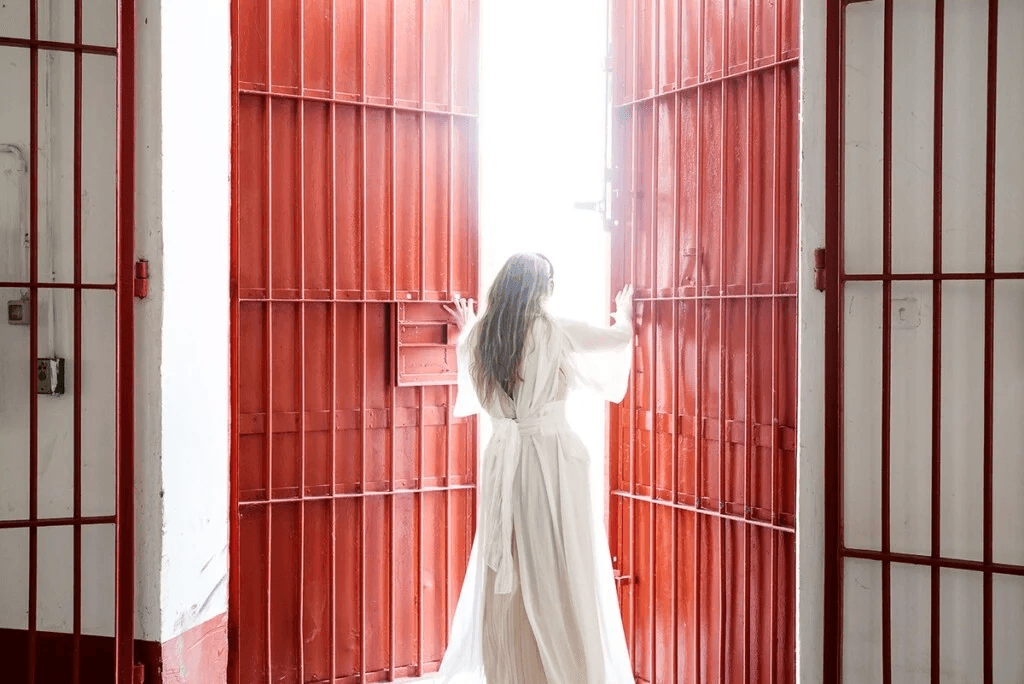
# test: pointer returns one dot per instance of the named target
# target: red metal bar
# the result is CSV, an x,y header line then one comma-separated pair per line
x,y
652,268
393,228
631,241
945,563
234,531
25,284
77,368
723,608
124,619
33,458
834,90
34,523
698,443
332,198
934,277
300,203
990,286
364,265
269,357
776,220
886,338
375,105
704,83
935,633
748,412
704,511
54,45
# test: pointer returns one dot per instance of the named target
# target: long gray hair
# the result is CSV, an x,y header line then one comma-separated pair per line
x,y
514,302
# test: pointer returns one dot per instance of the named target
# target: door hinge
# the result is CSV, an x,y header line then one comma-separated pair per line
x,y
141,279
819,269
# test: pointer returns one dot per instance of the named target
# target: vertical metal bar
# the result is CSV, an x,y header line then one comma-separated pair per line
x,y
748,289
234,544
832,605
269,336
332,198
451,288
652,267
423,148
124,619
936,503
990,263
722,351
634,180
76,648
676,351
300,204
363,306
775,302
699,304
419,498
33,438
393,227
887,58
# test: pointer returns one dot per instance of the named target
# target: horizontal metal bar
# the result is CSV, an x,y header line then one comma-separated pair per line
x,y
704,511
341,297
931,277
29,43
44,285
356,495
56,522
732,76
716,297
278,95
937,562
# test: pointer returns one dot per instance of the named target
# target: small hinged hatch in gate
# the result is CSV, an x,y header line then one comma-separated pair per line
x,y
424,344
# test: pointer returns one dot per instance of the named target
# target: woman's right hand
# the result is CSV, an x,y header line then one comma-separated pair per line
x,y
464,313
624,303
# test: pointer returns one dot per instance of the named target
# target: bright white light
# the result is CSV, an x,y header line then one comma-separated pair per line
x,y
542,131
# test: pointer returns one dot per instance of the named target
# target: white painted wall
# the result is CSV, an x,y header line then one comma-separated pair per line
x,y
542,101
195,206
963,140
182,417
810,542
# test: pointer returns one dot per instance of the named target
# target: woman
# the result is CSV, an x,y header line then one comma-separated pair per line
x,y
538,603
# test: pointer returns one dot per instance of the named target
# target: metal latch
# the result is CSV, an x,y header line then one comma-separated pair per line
x,y
819,270
141,279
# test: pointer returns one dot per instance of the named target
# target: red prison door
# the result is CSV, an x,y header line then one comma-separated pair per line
x,y
924,565
355,214
67,348
703,460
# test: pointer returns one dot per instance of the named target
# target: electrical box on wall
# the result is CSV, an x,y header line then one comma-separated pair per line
x,y
50,376
18,311
424,344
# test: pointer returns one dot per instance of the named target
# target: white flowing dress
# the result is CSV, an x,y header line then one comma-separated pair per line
x,y
539,602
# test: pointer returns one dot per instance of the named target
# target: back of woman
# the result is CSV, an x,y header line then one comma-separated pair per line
x,y
539,602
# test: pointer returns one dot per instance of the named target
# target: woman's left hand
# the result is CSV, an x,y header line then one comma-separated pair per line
x,y
463,313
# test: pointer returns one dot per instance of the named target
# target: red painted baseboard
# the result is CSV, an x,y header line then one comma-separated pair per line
x,y
200,655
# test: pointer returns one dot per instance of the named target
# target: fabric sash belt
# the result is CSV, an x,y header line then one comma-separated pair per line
x,y
501,462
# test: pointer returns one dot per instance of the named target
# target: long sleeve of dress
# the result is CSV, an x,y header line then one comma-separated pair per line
x,y
601,356
466,401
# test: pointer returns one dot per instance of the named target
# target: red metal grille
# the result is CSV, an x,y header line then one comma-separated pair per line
x,y
354,190
703,469
90,276
914,559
